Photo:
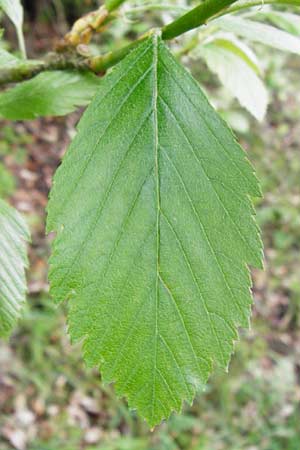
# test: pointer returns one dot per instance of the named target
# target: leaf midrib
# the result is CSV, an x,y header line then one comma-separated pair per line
x,y
156,171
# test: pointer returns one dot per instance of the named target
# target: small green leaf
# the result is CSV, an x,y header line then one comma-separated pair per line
x,y
7,59
13,260
7,181
14,10
155,229
234,64
260,32
48,94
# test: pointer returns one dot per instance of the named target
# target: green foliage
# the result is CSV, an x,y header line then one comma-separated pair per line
x,y
285,20
234,62
13,260
14,10
7,59
260,32
152,205
50,93
7,182
155,229
238,70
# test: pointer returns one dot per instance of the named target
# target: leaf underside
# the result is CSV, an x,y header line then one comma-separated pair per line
x,y
237,75
13,260
154,230
260,32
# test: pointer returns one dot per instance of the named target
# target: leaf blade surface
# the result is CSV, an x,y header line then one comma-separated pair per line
x,y
260,32
14,10
228,60
13,261
140,248
54,93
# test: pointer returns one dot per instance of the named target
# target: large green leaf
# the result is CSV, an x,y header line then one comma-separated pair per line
x,y
231,61
260,32
154,230
13,260
48,94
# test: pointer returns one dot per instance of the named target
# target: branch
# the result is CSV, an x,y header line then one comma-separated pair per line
x,y
111,5
62,61
103,62
83,29
252,3
194,18
24,70
92,22
156,7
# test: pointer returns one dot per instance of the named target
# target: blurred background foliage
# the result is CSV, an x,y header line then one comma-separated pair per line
x,y
48,399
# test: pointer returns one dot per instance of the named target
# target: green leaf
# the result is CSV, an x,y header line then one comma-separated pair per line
x,y
154,230
234,64
13,260
14,10
260,32
285,20
7,59
7,181
48,94
234,45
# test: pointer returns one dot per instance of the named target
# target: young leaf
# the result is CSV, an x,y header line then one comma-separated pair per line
x,y
13,260
238,72
154,230
48,94
14,10
260,32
